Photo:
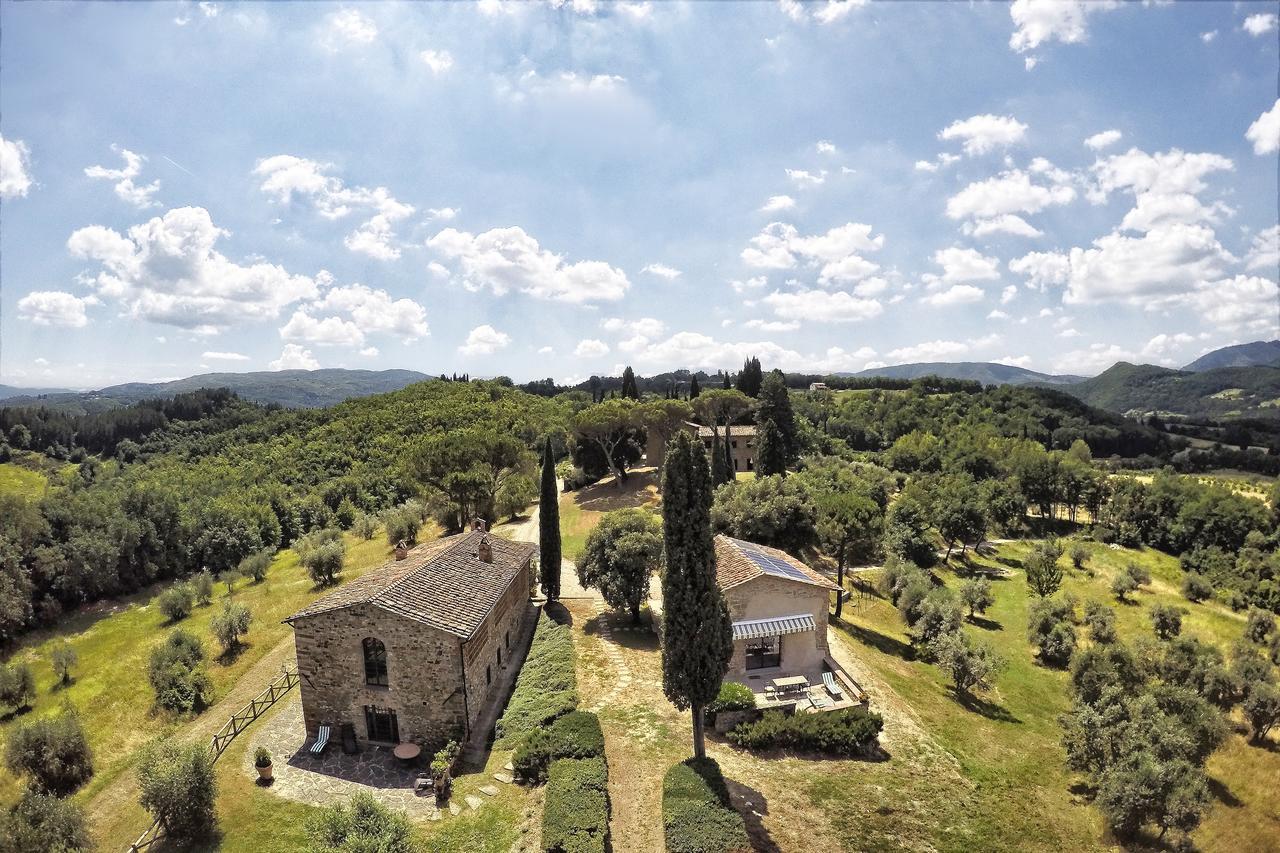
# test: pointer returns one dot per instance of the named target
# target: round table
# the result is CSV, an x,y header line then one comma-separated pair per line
x,y
406,752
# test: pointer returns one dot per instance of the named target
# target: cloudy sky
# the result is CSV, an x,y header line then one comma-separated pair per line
x,y
556,189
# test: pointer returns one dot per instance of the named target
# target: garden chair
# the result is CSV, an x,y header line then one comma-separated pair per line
x,y
829,679
322,741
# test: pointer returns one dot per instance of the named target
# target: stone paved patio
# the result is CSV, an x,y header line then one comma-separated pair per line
x,y
335,777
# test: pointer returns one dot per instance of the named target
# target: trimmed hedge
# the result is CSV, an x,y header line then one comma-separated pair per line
x,y
696,814
575,735
575,816
547,687
849,731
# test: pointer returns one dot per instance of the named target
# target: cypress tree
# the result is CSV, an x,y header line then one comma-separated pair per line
x,y
750,378
775,405
694,390
718,473
728,454
629,388
727,382
770,454
697,637
549,527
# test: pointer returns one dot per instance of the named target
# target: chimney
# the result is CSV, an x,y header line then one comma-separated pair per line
x,y
402,550
484,550
478,524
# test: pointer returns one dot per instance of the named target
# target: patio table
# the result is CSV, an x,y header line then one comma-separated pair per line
x,y
406,752
791,683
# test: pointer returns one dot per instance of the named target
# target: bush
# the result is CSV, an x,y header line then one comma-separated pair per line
x,y
53,752
1101,621
1196,587
230,625
322,553
937,616
696,814
1166,620
977,596
575,735
42,823
733,697
1049,628
363,824
202,587
256,565
262,757
849,731
176,784
574,477
17,686
177,674
1126,582
445,757
1079,555
364,526
547,687
575,815
176,602
1261,708
1259,626
970,665
403,525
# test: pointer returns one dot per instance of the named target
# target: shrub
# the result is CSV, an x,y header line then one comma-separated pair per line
x,y
445,757
1166,620
176,602
970,665
547,687
177,674
912,590
733,697
256,565
1049,629
230,624
1261,708
17,686
976,595
202,587
361,824
575,735
1259,626
849,731
53,752
42,823
322,553
62,659
1101,621
696,814
364,526
575,815
1079,555
938,616
1123,584
403,524
262,757
575,478
176,784
1196,587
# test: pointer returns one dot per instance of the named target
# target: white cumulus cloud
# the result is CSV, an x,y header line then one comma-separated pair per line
x,y
982,133
138,195
1264,133
439,61
1039,21
484,340
662,271
55,308
590,348
1103,139
294,357
822,306
15,168
1260,24
777,203
835,253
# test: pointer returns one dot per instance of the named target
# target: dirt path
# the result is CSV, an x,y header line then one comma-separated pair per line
x,y
117,805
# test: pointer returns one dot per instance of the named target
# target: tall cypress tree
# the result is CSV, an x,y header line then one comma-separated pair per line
x,y
718,473
549,527
697,635
694,390
771,456
775,405
750,378
629,388
728,453
728,382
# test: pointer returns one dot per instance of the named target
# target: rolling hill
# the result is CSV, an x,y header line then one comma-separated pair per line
x,y
1217,392
988,373
1254,354
7,391
294,389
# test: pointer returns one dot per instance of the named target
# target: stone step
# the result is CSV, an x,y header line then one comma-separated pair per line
x,y
489,790
473,802
505,778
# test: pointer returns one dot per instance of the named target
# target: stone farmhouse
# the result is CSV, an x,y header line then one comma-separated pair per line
x,y
778,606
742,442
412,650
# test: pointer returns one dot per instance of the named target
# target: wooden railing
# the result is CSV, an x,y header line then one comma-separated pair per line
x,y
218,744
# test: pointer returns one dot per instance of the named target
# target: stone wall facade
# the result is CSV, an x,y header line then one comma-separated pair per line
x,y
768,597
425,668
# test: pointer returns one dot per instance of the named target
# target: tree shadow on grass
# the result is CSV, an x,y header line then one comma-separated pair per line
x,y
880,642
986,624
1223,794
60,685
752,805
233,654
558,613
990,710
622,631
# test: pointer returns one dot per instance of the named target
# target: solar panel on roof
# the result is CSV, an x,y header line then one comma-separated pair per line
x,y
771,565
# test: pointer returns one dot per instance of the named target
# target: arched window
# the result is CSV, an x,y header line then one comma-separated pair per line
x,y
375,662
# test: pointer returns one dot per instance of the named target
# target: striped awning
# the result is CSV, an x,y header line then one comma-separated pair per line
x,y
750,629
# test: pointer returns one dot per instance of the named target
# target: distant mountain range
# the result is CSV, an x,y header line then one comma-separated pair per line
x,y
986,372
1258,353
1216,392
290,388
7,391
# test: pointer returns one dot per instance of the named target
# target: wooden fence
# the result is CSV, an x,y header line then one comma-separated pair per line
x,y
218,744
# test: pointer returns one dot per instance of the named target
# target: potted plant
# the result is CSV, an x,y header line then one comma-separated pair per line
x,y
442,768
262,760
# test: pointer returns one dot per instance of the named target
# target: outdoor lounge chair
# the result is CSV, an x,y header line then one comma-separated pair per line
x,y
829,679
322,741
819,701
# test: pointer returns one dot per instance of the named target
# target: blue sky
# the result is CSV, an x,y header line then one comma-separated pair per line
x,y
557,189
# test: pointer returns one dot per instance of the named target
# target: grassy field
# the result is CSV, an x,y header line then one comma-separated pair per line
x,y
22,481
581,510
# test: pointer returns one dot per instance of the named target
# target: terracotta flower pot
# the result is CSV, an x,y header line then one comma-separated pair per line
x,y
264,772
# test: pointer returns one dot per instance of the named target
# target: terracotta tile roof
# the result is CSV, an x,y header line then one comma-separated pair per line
x,y
735,430
738,562
441,583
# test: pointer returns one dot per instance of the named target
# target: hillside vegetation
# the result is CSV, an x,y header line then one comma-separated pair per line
x,y
1215,392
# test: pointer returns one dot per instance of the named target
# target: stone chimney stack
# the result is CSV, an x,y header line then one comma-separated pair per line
x,y
479,524
402,550
485,551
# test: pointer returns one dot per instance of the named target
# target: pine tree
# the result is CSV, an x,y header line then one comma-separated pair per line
x,y
719,474
771,455
549,527
775,405
629,388
697,637
694,390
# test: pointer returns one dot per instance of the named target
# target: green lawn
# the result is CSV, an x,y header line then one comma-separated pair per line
x,y
21,481
580,511
1018,793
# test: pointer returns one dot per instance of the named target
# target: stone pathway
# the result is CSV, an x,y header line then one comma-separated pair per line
x,y
623,676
